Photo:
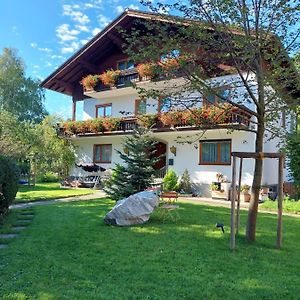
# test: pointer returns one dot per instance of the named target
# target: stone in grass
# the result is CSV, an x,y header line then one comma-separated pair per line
x,y
8,235
2,246
18,227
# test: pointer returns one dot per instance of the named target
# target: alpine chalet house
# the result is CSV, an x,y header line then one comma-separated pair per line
x,y
209,152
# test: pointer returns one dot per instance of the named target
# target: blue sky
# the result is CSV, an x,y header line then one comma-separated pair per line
x,y
47,32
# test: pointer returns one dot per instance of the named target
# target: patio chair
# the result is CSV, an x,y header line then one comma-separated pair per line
x,y
168,209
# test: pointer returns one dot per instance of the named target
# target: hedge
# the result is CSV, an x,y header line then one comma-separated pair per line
x,y
9,177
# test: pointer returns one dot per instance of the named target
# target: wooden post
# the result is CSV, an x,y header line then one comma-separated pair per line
x,y
74,110
239,198
280,198
233,195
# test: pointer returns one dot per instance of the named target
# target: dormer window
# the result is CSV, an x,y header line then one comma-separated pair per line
x,y
125,64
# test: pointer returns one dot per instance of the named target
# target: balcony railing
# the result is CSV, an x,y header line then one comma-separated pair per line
x,y
156,123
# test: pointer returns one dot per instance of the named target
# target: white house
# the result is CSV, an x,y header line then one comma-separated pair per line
x,y
206,153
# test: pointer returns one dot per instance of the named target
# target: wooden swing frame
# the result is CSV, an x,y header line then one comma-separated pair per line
x,y
235,217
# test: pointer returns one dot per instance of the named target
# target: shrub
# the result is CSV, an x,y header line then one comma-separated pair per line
x,y
185,182
9,177
170,181
49,177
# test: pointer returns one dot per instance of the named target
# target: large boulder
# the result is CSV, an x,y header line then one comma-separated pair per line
x,y
135,209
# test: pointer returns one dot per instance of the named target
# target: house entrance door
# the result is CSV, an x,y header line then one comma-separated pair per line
x,y
161,149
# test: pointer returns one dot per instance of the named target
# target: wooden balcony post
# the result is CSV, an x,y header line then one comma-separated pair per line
x,y
73,109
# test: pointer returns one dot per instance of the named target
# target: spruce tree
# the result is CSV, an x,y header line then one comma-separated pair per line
x,y
137,171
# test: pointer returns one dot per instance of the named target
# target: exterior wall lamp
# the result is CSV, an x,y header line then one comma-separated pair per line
x,y
173,150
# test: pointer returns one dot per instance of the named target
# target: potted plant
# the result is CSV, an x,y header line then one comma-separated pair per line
x,y
89,82
245,195
110,77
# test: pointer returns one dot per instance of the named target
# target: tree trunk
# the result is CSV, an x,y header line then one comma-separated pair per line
x,y
253,206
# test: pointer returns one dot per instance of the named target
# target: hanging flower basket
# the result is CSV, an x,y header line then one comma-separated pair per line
x,y
89,82
110,77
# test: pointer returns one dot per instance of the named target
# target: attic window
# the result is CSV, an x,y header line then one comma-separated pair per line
x,y
125,65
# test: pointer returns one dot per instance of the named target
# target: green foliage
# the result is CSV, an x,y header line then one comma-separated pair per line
x,y
185,183
9,177
118,186
136,174
170,181
20,95
293,152
48,177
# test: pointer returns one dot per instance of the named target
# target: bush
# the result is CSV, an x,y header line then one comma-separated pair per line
x,y
49,177
170,182
185,183
9,177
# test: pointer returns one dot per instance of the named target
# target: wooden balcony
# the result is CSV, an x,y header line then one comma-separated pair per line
x,y
236,119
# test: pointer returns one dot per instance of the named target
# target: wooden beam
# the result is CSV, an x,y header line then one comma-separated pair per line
x,y
89,66
239,198
74,109
232,213
116,40
65,84
280,198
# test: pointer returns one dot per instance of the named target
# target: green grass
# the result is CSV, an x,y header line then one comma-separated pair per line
x,y
289,206
69,253
47,191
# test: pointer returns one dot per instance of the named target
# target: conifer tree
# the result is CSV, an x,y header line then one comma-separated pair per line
x,y
137,171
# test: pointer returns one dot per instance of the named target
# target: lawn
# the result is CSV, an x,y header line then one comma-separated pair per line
x,y
67,252
288,206
47,191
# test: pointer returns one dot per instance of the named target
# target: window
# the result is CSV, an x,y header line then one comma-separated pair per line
x,y
125,65
212,99
102,153
164,105
140,106
215,152
103,110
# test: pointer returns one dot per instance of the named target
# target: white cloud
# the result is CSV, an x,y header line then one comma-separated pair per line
x,y
70,48
103,21
83,42
48,64
45,50
36,66
65,34
82,28
75,15
119,9
96,31
132,6
66,50
33,45
55,56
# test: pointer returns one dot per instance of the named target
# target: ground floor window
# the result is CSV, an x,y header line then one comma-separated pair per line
x,y
102,153
215,152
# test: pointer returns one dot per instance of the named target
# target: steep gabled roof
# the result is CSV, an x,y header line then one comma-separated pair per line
x,y
64,78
